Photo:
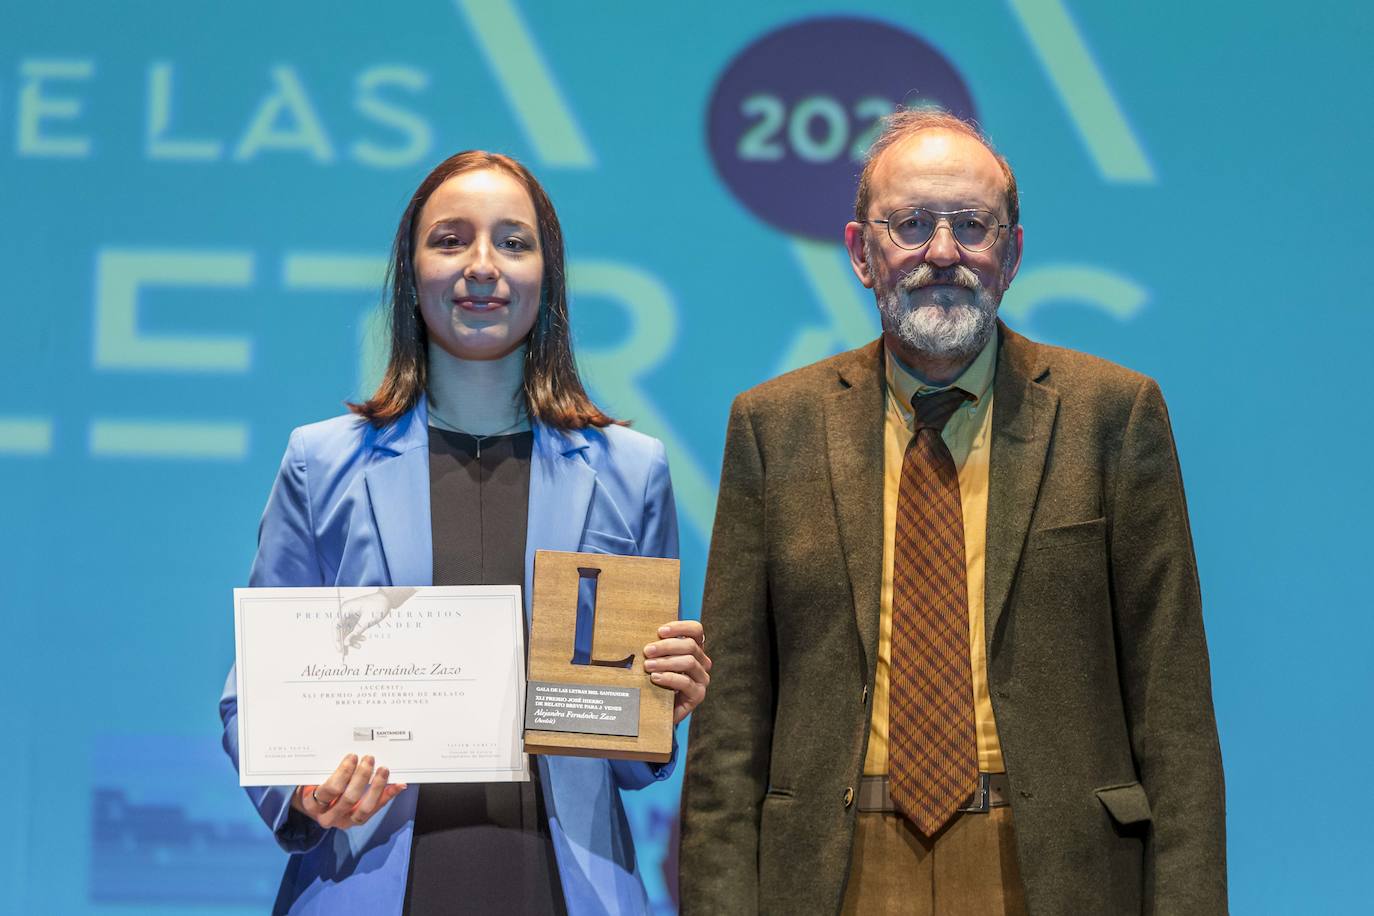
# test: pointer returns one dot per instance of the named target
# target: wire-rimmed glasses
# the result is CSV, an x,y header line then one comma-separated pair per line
x,y
912,227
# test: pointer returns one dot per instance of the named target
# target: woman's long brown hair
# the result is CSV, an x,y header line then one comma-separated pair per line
x,y
553,390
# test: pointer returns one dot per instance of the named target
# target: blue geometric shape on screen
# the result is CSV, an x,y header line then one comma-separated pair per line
x,y
169,825
1099,288
156,854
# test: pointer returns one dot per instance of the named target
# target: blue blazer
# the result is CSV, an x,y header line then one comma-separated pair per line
x,y
350,506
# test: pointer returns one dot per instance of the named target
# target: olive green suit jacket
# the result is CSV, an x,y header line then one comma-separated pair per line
x,y
1097,662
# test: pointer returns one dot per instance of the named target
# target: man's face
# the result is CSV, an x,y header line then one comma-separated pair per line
x,y
938,301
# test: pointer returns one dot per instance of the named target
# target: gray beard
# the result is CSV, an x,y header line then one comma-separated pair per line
x,y
956,333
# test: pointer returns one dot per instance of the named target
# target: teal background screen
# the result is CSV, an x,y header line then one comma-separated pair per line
x,y
197,201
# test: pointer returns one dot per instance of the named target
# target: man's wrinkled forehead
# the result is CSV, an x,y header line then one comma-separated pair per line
x,y
939,169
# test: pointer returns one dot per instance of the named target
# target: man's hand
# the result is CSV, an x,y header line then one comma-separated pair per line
x,y
679,662
350,796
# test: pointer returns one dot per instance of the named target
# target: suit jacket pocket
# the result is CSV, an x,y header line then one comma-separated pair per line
x,y
1092,531
781,820
601,542
1127,804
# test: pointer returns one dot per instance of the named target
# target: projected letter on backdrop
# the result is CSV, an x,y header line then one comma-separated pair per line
x,y
304,130
414,129
35,107
161,78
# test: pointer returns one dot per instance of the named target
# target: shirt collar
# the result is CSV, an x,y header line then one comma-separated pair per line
x,y
903,384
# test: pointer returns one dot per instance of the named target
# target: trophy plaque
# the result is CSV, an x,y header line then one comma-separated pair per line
x,y
588,693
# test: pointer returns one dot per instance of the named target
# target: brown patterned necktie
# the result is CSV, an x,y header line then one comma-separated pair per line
x,y
932,741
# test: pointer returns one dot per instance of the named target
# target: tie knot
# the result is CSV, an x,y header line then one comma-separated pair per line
x,y
934,410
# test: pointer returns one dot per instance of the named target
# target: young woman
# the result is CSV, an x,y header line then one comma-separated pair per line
x,y
479,447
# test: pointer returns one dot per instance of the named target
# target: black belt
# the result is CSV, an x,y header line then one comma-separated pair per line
x,y
992,792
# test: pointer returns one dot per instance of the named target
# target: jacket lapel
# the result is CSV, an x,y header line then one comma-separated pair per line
x,y
397,480
854,445
1023,415
561,488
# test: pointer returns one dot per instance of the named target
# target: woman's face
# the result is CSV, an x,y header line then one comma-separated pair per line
x,y
478,264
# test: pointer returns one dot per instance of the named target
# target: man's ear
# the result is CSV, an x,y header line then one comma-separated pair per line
x,y
1015,242
858,254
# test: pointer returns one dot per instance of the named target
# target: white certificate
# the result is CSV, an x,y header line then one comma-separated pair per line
x,y
429,681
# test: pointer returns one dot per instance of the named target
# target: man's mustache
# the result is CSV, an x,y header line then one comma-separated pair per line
x,y
929,275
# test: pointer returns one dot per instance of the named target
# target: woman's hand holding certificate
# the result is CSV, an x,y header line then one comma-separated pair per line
x,y
356,790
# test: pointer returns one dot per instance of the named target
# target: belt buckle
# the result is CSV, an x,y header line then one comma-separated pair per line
x,y
982,797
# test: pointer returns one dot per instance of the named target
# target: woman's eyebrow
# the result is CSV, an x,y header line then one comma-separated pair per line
x,y
446,221
511,221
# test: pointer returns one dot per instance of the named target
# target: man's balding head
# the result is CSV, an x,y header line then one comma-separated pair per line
x,y
906,122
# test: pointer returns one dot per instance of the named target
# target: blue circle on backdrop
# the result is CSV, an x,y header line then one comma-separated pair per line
x,y
793,114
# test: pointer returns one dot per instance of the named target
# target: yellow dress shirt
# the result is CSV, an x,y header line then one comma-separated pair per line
x,y
969,437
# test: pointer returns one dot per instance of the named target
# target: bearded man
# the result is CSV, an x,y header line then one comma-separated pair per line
x,y
959,656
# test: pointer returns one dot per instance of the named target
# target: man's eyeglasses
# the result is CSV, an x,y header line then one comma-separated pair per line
x,y
912,227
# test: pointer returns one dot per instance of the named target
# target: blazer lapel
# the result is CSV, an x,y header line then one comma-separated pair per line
x,y
1023,414
854,445
397,480
561,488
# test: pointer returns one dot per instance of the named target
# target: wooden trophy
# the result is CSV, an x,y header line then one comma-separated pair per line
x,y
588,694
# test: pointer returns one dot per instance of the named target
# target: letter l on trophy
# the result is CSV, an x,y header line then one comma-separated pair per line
x,y
589,695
